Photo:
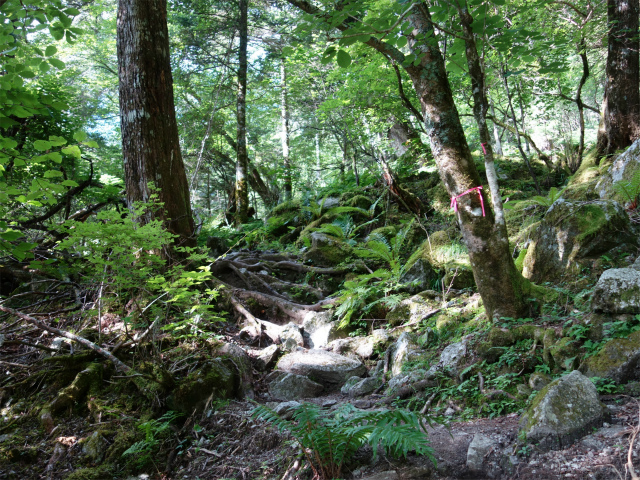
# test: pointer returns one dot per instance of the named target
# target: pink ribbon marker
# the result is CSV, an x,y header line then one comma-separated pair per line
x,y
484,151
454,200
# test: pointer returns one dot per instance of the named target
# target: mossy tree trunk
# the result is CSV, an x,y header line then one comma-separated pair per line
x,y
150,144
499,283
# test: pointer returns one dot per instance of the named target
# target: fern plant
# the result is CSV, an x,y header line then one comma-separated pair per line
x,y
154,431
328,441
538,200
368,291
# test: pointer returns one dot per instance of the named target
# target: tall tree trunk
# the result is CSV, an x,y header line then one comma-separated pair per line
x,y
582,52
318,176
515,126
150,144
242,162
284,115
620,122
480,108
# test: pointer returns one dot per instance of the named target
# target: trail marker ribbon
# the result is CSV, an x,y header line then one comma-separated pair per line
x,y
484,150
454,200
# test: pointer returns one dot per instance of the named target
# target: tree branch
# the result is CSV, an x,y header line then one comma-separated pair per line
x,y
120,366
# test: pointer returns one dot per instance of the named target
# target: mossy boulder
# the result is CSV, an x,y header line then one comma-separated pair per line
x,y
572,232
327,251
287,214
624,170
618,360
565,353
419,276
360,201
562,412
412,309
458,276
216,379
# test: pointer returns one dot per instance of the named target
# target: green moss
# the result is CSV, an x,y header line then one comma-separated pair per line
x,y
215,380
520,260
102,472
285,207
360,201
565,353
387,232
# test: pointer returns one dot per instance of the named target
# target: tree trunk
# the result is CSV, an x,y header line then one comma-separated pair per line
x,y
496,134
242,162
582,52
620,122
503,74
501,286
150,144
288,187
480,108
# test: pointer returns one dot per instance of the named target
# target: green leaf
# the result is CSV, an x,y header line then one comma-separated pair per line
x,y
69,183
402,41
11,235
42,145
52,174
343,58
79,136
57,32
59,64
51,50
72,151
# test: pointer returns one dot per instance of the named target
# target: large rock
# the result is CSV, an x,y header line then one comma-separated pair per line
x,y
481,446
419,277
452,357
622,170
242,364
327,250
319,329
617,291
291,337
327,368
363,347
411,310
571,232
618,360
294,387
404,350
562,412
217,379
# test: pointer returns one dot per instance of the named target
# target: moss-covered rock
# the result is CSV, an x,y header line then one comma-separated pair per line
x,y
565,353
102,472
618,360
458,276
412,309
624,170
216,379
360,201
327,251
573,231
562,412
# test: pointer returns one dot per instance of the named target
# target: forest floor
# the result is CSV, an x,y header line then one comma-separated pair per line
x,y
255,452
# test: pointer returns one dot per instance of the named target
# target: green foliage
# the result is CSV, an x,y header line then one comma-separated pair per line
x,y
378,289
329,441
155,431
537,200
606,385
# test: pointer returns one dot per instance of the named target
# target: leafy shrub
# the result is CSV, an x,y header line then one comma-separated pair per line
x,y
328,441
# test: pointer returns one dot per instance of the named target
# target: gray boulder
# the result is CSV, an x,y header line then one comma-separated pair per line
x,y
479,448
623,169
571,232
562,412
327,368
293,387
363,347
412,309
267,358
362,387
291,337
286,409
452,357
419,276
617,291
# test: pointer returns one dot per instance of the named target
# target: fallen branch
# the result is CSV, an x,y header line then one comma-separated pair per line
x,y
120,366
